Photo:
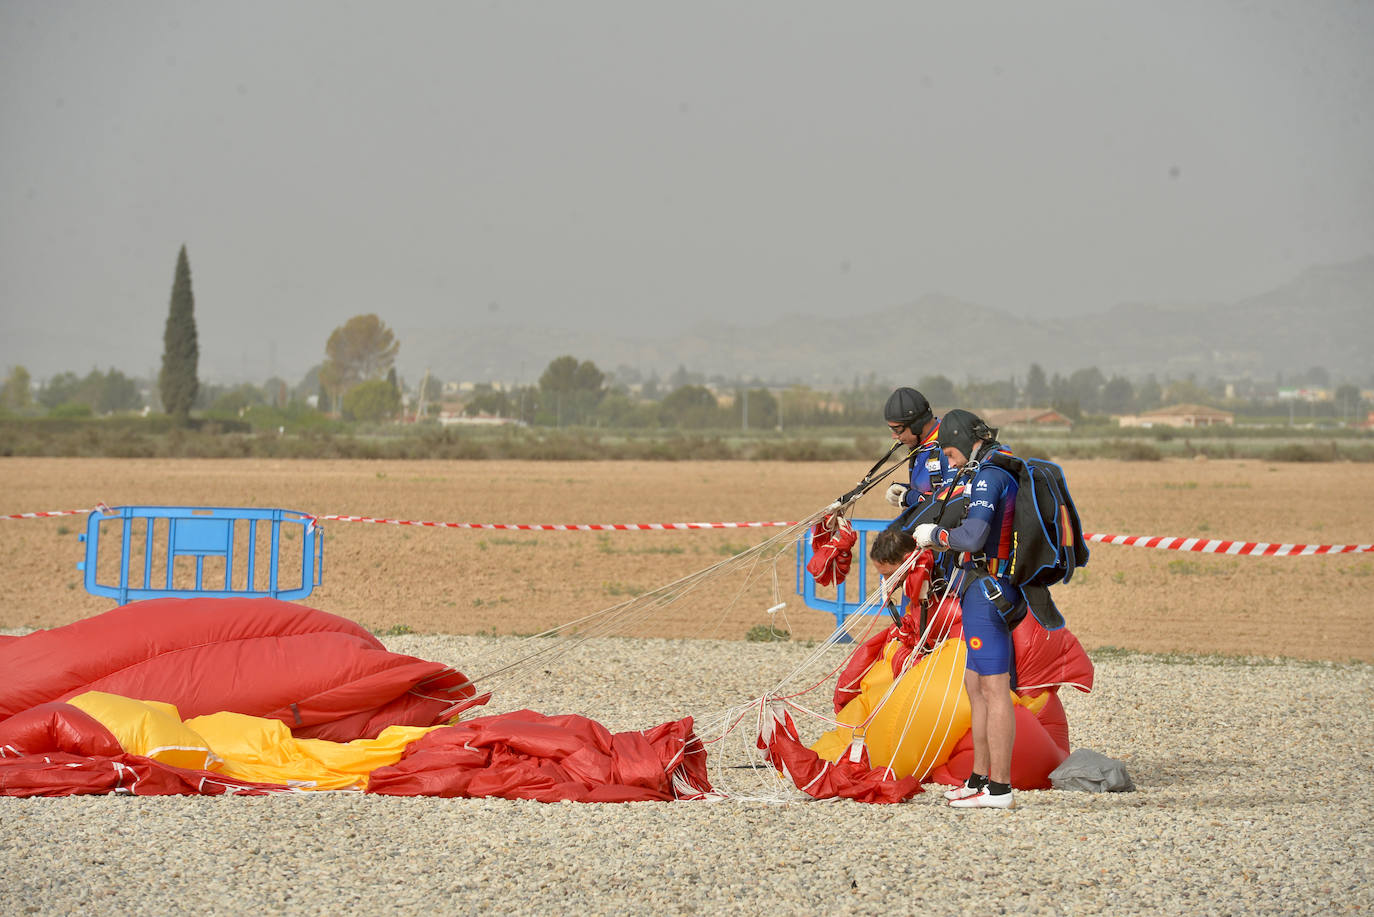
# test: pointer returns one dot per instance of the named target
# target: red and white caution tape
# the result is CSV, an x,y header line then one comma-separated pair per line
x,y
1216,546
1161,543
590,527
99,507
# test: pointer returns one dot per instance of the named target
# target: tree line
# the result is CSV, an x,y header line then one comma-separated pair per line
x,y
357,381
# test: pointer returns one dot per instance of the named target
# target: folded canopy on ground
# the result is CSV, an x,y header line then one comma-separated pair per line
x,y
281,698
324,676
98,743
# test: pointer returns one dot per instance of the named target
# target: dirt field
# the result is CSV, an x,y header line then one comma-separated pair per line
x,y
468,581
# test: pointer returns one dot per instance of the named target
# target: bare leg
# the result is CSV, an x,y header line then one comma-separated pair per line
x,y
999,725
979,713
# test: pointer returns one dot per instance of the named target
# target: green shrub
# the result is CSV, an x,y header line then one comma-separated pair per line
x,y
764,633
1299,452
71,409
1132,451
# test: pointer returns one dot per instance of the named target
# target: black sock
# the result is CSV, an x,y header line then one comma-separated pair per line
x,y
976,781
998,789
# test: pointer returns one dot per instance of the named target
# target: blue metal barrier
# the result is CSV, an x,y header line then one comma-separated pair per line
x,y
841,606
171,545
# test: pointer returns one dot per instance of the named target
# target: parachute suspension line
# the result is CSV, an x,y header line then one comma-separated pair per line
x,y
726,723
949,693
865,619
756,779
751,558
635,610
919,694
779,603
868,481
861,618
729,742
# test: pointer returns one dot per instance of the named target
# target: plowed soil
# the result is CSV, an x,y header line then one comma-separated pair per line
x,y
468,581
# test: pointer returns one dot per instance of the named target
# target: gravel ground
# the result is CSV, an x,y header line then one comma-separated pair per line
x,y
1251,775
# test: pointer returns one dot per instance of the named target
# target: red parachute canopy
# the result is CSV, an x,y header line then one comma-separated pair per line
x,y
321,675
832,543
526,755
324,676
846,778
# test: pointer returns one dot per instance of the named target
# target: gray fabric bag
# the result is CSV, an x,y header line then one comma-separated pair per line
x,y
1091,772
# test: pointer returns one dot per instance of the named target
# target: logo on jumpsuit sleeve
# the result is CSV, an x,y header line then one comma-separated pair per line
x,y
975,643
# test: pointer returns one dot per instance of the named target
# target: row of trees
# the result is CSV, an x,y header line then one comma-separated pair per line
x,y
357,378
577,393
357,381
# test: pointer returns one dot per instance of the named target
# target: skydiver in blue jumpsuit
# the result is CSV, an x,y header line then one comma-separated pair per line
x,y
983,544
913,424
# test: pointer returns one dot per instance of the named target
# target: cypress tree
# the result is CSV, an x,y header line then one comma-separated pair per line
x,y
180,353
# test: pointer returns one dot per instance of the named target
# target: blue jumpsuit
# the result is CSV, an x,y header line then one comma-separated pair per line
x,y
929,470
986,531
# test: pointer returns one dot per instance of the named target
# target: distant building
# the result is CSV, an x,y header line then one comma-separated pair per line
x,y
1036,418
449,418
1310,395
1189,416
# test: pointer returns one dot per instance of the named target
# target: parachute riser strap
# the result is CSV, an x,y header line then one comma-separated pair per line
x,y
970,468
892,612
1012,613
868,481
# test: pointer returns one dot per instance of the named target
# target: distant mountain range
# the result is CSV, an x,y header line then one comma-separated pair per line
x,y
1324,317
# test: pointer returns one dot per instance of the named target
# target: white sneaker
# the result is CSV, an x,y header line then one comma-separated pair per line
x,y
984,800
960,792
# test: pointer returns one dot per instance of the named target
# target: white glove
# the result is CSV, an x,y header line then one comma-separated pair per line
x,y
896,494
925,536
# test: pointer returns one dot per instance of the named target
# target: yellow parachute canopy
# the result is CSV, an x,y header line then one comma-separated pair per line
x,y
913,728
249,748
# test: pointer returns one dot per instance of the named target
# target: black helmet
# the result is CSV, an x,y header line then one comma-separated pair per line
x,y
962,429
907,406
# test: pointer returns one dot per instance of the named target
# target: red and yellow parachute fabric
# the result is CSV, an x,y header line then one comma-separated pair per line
x,y
282,698
104,743
848,776
903,719
324,676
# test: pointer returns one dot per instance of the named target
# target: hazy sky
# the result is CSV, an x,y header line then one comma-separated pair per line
x,y
641,164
